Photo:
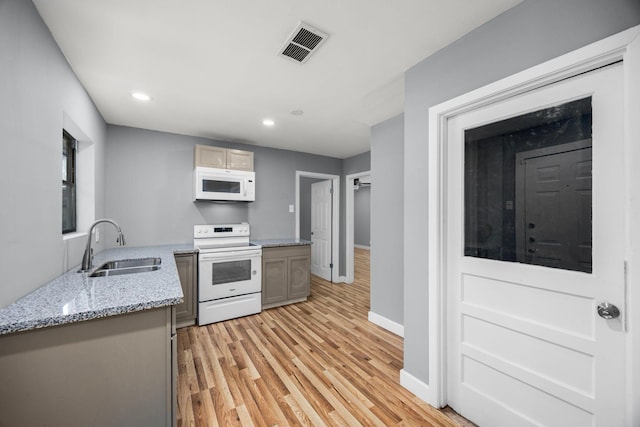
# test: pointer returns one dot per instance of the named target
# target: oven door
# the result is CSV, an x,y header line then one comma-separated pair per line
x,y
231,273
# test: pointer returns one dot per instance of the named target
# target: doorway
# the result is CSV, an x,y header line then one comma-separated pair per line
x,y
320,236
350,218
522,334
329,251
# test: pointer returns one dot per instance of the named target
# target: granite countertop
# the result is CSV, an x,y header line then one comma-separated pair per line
x,y
276,243
74,297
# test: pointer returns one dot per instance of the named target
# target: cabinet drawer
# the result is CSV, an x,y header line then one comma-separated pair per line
x,y
228,308
286,251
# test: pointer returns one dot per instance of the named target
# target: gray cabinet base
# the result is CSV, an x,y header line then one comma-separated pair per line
x,y
286,275
114,371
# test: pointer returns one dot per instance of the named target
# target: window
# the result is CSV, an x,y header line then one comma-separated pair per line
x,y
528,188
68,183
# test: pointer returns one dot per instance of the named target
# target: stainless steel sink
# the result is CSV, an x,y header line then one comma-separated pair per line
x,y
119,271
126,266
126,263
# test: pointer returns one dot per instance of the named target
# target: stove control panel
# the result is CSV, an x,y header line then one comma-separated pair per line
x,y
221,230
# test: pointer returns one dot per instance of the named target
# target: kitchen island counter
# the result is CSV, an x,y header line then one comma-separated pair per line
x,y
74,297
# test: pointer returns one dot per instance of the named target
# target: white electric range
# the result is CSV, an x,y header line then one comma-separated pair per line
x,y
230,272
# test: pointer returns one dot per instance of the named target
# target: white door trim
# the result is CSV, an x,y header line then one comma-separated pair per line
x,y
350,226
335,215
622,46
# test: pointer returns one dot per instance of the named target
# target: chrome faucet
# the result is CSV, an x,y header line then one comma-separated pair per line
x,y
87,258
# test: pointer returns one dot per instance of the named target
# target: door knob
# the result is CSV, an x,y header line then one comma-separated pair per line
x,y
608,311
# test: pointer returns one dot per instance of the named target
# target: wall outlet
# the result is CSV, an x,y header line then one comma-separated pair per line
x,y
291,208
97,235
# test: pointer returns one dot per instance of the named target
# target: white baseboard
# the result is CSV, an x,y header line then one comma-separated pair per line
x,y
387,324
362,247
419,388
341,279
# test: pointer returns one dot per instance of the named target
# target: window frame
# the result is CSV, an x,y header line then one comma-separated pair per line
x,y
69,166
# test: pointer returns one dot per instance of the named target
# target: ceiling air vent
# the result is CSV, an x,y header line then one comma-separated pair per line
x,y
302,43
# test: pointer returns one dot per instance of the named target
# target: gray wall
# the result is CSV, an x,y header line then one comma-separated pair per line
x,y
387,198
269,216
355,164
529,34
37,88
150,179
362,216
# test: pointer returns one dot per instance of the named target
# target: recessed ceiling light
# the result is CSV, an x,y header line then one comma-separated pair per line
x,y
268,122
140,96
297,112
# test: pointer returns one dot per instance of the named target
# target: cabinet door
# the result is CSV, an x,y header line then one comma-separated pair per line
x,y
186,265
112,371
240,160
299,276
274,280
211,157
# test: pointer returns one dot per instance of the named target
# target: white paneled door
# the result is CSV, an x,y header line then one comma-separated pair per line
x,y
535,243
321,209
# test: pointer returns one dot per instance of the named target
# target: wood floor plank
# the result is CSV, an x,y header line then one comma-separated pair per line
x,y
221,385
313,389
209,410
185,410
359,409
301,416
319,362
269,408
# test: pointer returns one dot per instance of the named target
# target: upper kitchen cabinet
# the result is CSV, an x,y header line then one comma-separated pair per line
x,y
223,158
240,160
211,157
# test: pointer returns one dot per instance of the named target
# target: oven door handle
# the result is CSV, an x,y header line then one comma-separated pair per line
x,y
230,256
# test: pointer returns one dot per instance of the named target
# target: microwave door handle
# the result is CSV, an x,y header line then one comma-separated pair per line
x,y
245,187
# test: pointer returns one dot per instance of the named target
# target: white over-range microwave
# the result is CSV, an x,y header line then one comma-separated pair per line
x,y
224,184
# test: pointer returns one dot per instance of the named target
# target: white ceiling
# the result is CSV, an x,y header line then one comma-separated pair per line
x,y
212,66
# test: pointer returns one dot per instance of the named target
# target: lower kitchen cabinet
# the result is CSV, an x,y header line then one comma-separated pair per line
x,y
187,265
112,371
285,275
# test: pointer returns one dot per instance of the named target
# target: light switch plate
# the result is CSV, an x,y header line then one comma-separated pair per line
x,y
291,208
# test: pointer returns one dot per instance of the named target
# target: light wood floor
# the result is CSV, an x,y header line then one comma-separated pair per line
x,y
315,363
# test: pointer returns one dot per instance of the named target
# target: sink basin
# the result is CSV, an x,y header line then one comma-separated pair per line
x,y
126,263
126,266
127,270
